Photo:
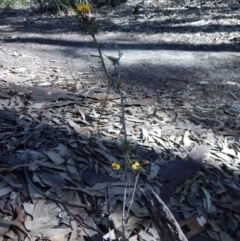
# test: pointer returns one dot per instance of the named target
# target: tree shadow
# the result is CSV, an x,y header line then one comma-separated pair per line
x,y
181,21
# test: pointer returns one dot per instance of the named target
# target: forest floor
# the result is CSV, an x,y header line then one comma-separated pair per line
x,y
180,69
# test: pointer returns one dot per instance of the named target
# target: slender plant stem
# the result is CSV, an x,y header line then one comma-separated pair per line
x,y
133,194
115,84
123,118
101,56
124,205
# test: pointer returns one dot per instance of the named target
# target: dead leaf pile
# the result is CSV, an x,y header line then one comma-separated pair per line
x,y
57,147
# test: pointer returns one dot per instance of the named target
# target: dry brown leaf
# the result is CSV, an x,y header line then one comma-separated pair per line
x,y
48,231
58,160
40,224
80,130
52,180
18,223
74,233
225,237
108,156
29,208
5,191
213,234
91,232
196,224
53,166
146,102
215,225
43,210
145,236
59,236
116,218
71,166
143,102
5,223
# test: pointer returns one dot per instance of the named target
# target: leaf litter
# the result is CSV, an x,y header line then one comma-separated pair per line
x,y
194,169
191,145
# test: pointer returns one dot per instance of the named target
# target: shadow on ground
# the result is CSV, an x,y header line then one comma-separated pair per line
x,y
25,22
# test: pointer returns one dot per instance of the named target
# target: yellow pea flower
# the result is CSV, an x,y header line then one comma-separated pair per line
x,y
115,166
83,8
135,166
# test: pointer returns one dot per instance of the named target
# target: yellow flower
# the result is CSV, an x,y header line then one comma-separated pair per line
x,y
83,8
115,166
135,166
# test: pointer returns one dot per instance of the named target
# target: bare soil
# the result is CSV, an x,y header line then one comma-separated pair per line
x,y
165,45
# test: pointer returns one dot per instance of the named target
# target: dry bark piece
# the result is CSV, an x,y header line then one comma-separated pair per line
x,y
162,218
42,94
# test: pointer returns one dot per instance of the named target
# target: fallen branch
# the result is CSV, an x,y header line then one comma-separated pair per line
x,y
165,223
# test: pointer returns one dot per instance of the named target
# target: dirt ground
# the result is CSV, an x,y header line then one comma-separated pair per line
x,y
165,44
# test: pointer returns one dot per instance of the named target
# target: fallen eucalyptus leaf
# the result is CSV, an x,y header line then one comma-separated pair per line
x,y
54,157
